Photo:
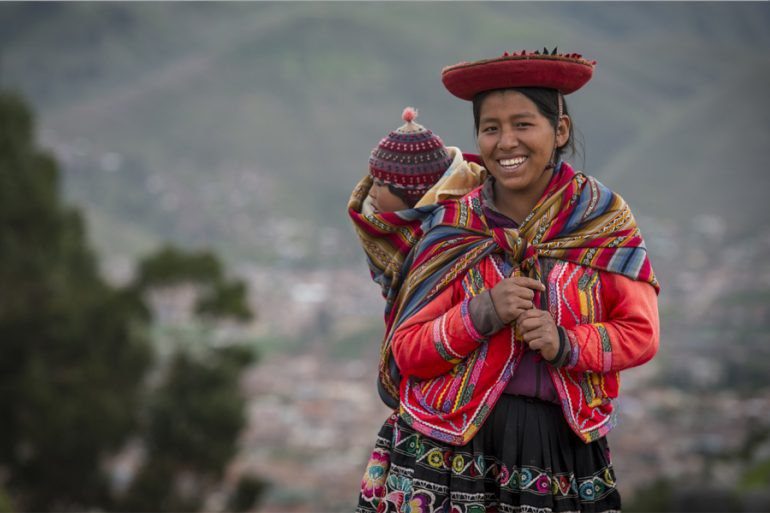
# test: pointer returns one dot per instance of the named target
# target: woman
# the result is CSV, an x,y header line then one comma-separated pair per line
x,y
522,302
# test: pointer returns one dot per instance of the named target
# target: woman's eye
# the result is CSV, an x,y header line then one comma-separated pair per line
x,y
488,129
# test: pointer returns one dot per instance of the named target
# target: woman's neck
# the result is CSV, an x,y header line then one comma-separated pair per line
x,y
518,204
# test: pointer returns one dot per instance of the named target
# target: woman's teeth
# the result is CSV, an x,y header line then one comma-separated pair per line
x,y
512,163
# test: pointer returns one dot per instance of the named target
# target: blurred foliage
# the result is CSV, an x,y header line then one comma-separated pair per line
x,y
664,496
75,352
707,493
655,497
219,297
246,494
196,414
757,476
5,502
193,419
170,266
226,299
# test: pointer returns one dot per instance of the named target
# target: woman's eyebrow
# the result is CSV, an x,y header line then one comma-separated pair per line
x,y
520,115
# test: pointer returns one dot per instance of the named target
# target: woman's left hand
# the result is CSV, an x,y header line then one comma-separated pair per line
x,y
538,330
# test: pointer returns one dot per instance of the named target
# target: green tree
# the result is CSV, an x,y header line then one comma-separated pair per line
x,y
219,298
73,350
193,423
75,355
195,413
246,494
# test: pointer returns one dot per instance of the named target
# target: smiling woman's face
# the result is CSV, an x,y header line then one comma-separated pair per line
x,y
516,141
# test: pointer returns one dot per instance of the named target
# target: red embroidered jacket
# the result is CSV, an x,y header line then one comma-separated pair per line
x,y
611,322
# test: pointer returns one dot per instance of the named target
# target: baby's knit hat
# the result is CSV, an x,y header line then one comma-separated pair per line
x,y
411,158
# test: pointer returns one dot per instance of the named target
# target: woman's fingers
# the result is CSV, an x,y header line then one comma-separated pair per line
x,y
532,335
510,300
531,319
538,330
537,334
512,296
536,344
512,287
523,293
547,345
529,283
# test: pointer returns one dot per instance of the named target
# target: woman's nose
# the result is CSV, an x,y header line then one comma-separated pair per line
x,y
508,140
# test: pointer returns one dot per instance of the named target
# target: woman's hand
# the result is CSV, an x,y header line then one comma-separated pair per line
x,y
512,296
538,329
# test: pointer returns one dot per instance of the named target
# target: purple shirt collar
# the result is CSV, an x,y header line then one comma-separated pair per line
x,y
495,218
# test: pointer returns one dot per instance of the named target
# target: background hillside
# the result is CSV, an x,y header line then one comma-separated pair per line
x,y
221,124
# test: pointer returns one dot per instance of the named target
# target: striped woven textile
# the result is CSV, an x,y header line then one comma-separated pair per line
x,y
414,254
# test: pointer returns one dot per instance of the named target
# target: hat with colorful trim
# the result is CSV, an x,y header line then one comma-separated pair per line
x,y
411,158
564,72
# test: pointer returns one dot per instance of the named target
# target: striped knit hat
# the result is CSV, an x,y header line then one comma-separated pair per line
x,y
411,158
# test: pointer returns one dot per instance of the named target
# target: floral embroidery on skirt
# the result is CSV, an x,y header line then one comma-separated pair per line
x,y
525,459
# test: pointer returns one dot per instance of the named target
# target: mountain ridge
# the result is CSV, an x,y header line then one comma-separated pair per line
x,y
296,95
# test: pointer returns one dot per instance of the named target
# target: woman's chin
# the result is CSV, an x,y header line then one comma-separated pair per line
x,y
510,180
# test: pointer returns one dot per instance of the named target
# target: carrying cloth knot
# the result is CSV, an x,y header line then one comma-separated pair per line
x,y
517,251
510,242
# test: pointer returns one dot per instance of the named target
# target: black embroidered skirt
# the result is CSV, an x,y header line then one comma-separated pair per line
x,y
524,459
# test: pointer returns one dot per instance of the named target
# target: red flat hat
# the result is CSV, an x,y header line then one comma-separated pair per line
x,y
566,73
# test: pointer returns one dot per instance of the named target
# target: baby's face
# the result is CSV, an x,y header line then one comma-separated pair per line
x,y
383,200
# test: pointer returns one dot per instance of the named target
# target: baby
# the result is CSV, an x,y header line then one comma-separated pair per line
x,y
409,162
410,173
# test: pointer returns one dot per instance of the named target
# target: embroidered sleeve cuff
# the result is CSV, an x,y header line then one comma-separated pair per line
x,y
483,314
441,342
573,348
562,356
470,327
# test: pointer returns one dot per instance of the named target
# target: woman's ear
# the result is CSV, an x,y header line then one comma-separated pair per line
x,y
562,130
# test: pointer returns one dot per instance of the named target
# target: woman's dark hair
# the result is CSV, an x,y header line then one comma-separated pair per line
x,y
547,103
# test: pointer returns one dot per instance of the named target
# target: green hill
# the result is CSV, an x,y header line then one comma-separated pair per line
x,y
715,142
244,126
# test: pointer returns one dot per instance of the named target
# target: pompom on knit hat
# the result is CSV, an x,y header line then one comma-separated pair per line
x,y
411,158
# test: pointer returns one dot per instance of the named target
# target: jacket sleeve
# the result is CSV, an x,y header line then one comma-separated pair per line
x,y
437,337
629,337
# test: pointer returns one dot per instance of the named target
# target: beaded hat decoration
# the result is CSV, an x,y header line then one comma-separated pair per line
x,y
564,72
411,158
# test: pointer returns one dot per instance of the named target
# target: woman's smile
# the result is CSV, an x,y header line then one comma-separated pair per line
x,y
510,165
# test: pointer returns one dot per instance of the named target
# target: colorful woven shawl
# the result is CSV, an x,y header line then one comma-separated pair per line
x,y
577,220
